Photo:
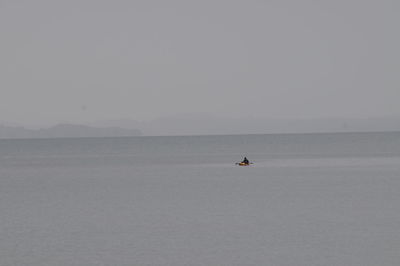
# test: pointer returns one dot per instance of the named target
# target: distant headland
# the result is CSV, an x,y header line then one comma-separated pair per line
x,y
65,131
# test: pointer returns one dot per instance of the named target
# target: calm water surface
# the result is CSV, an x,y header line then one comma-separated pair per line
x,y
309,199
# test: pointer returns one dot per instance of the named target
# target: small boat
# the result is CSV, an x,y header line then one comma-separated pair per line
x,y
243,164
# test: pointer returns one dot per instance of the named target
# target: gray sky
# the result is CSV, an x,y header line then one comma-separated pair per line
x,y
83,60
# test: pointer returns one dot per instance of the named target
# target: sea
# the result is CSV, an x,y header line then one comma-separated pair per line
x,y
307,200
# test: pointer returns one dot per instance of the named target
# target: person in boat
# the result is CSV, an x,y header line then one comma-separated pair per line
x,y
245,161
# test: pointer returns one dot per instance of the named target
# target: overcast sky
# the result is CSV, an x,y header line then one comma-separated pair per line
x,y
86,60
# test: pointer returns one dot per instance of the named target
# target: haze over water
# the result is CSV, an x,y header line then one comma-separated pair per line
x,y
79,61
308,199
199,68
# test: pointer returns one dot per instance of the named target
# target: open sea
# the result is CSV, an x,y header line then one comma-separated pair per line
x,y
308,200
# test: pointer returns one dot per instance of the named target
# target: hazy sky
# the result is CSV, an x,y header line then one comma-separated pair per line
x,y
83,60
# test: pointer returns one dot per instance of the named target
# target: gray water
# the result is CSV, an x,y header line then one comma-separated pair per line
x,y
308,199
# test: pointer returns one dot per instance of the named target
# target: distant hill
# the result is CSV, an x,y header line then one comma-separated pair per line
x,y
199,124
66,131
202,125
